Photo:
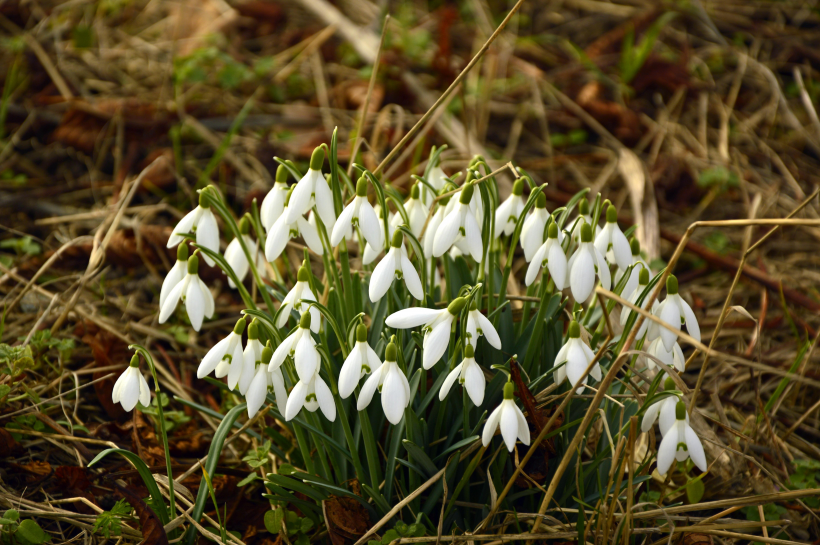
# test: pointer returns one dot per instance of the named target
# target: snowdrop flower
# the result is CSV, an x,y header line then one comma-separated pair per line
x,y
429,236
311,394
251,359
437,179
532,232
585,214
359,213
302,348
665,408
392,384
312,189
395,264
416,210
131,387
643,281
584,264
176,274
459,224
679,443
612,238
550,255
262,380
674,311
372,252
672,358
283,230
195,295
637,263
361,361
273,205
508,212
299,299
222,355
577,356
436,329
469,374
235,255
202,223
479,325
510,419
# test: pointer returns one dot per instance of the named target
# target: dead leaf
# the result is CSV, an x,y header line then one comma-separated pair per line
x,y
8,445
347,517
642,199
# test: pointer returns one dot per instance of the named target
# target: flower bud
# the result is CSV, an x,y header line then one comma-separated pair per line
x,y
680,411
398,238
361,187
182,252
541,201
635,246
240,326
574,330
586,233
552,231
583,207
203,199
469,351
244,225
317,158
466,193
361,333
457,305
643,276
671,285
416,191
135,360
518,187
281,174
611,214
390,352
668,384
193,263
303,275
253,330
304,321
509,388
267,353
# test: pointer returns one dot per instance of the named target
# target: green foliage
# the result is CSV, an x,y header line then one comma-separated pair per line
x,y
805,476
297,527
9,175
206,61
717,241
399,531
14,531
42,342
173,419
22,246
25,422
633,55
719,177
109,523
15,359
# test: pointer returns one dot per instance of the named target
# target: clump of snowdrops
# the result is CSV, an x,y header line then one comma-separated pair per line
x,y
388,351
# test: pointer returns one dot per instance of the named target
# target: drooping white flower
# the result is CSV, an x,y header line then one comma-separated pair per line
x,y
394,265
643,281
361,361
679,443
251,359
469,375
637,263
282,231
202,223
372,252
429,236
235,255
131,387
298,299
416,210
311,394
195,295
509,418
586,263
478,325
532,232
436,329
672,358
508,212
273,205
665,408
312,189
223,354
176,274
392,384
550,255
674,311
577,356
359,213
302,348
460,224
611,241
262,380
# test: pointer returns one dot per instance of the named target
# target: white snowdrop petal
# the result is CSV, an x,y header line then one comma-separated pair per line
x,y
621,248
174,277
488,331
282,351
207,298
325,398
695,448
324,202
436,344
257,390
523,427
369,225
183,227
557,264
430,233
310,235
650,416
195,305
299,202
472,233
474,383
411,278
412,317
171,302
671,315
145,391
603,269
603,238
306,357
341,229
130,390
368,389
449,381
491,426
446,234
677,358
666,450
278,383
582,275
576,364
692,326
509,425
207,234
667,414
116,391
273,205
382,277
350,373
213,357
278,237
393,395
296,400
535,265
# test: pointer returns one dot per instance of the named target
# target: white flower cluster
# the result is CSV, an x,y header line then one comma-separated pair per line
x,y
443,223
